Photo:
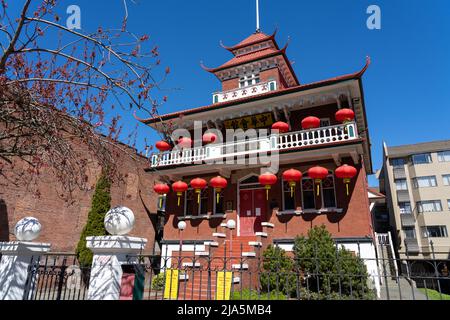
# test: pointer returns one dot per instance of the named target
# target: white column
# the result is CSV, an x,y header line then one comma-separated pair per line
x,y
110,252
18,259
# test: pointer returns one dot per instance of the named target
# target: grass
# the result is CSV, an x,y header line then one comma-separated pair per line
x,y
434,295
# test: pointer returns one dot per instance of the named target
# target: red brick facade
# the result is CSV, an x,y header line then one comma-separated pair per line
x,y
354,221
62,222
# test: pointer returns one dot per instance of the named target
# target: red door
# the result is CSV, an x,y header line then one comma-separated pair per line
x,y
252,211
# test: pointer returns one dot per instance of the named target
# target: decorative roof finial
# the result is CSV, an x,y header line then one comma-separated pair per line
x,y
257,16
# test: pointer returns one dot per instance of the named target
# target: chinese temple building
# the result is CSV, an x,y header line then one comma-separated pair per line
x,y
298,158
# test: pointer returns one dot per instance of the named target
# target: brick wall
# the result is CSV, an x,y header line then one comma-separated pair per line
x,y
62,221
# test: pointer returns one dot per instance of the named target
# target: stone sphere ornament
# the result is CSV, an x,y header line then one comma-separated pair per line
x,y
119,221
231,224
27,229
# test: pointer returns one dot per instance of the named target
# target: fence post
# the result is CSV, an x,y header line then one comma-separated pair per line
x,y
17,268
110,253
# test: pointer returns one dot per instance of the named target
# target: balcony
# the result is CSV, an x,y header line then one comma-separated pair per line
x,y
399,172
407,220
411,245
402,196
244,92
246,147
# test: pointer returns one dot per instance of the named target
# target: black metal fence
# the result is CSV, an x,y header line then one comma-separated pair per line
x,y
238,274
56,277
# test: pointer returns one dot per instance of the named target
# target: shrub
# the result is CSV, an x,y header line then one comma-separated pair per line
x,y
278,273
158,281
101,203
330,271
248,294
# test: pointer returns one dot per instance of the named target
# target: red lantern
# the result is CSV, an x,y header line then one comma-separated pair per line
x,y
209,138
318,174
281,126
345,115
292,176
198,184
310,123
267,179
185,142
162,146
346,172
162,189
218,183
179,187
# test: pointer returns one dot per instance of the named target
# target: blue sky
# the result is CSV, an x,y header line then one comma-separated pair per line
x,y
406,87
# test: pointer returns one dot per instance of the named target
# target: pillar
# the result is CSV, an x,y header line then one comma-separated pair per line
x,y
110,253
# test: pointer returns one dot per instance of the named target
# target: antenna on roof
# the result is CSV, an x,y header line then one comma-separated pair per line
x,y
257,16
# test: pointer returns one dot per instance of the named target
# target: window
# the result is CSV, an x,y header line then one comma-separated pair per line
x,y
218,206
189,203
400,184
444,156
288,199
434,232
448,204
446,179
249,80
424,182
429,206
410,233
398,162
192,207
308,195
328,194
421,158
405,207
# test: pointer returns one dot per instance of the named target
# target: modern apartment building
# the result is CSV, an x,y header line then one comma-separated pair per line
x,y
416,181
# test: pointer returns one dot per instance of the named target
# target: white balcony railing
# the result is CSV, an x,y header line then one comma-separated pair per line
x,y
274,142
252,90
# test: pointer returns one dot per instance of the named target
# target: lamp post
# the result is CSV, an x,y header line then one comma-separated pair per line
x,y
181,227
231,224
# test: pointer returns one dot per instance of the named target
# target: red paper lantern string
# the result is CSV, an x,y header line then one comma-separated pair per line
x,y
198,184
179,187
161,189
292,176
267,180
318,174
346,172
218,183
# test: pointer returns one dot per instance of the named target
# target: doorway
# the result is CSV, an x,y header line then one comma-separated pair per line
x,y
252,206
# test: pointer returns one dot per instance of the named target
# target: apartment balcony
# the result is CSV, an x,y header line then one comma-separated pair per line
x,y
244,92
245,147
407,220
402,196
399,172
411,246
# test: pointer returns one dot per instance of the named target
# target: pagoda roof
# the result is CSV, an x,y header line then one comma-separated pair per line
x,y
254,38
330,81
248,57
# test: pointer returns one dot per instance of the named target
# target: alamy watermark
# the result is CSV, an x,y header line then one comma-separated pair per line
x,y
374,20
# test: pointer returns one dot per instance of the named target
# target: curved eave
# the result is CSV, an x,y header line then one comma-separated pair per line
x,y
357,76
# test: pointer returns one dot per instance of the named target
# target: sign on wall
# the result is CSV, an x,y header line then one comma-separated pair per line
x,y
250,122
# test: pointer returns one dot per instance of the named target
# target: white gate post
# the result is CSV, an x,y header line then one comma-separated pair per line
x,y
110,252
20,259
